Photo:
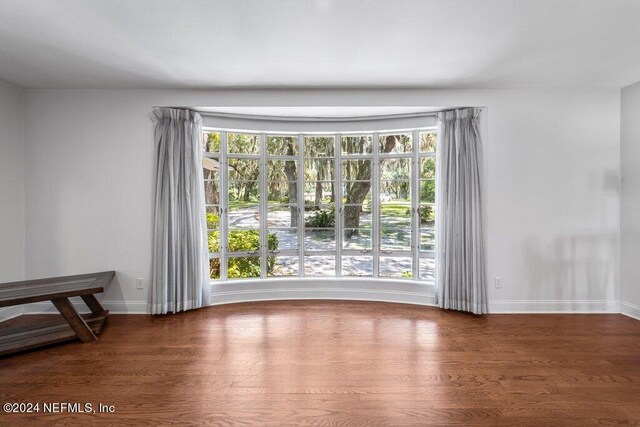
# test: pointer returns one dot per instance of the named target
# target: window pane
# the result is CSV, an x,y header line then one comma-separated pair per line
x,y
244,240
244,217
213,237
427,269
319,265
395,169
318,193
238,143
357,266
322,218
243,267
244,169
282,192
357,192
356,145
211,142
316,239
211,174
396,267
213,217
427,239
427,191
214,268
242,193
399,143
319,146
356,216
211,169
283,266
282,170
282,216
318,170
395,192
357,239
356,170
212,192
282,145
395,216
427,216
428,168
427,142
395,239
283,239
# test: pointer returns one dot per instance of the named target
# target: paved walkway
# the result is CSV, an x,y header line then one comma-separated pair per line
x,y
396,236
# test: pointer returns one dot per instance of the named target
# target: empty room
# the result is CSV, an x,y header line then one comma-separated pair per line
x,y
320,212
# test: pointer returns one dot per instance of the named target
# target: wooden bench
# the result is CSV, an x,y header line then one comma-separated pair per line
x,y
58,290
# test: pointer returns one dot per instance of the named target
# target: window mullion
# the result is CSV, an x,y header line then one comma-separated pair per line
x,y
224,206
262,176
375,205
300,204
415,204
337,176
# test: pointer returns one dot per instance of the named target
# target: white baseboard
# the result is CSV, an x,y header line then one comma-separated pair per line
x,y
7,313
630,310
553,306
353,290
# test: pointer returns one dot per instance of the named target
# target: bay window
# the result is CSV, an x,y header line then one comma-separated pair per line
x,y
320,205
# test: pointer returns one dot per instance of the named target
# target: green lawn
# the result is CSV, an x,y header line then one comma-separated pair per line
x,y
395,208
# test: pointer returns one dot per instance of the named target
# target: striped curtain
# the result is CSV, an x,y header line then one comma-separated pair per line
x,y
461,282
179,276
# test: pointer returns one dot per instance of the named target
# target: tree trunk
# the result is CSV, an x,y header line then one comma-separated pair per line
x,y
333,187
211,190
358,191
319,179
247,192
355,197
292,182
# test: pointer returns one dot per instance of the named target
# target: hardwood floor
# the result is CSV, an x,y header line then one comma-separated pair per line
x,y
338,363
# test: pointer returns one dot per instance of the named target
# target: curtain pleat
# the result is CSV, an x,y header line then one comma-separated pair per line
x,y
179,278
461,282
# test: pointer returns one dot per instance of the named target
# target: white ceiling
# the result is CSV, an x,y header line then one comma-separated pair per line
x,y
319,43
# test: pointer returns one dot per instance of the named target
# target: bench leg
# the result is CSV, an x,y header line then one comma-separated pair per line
x,y
77,323
93,304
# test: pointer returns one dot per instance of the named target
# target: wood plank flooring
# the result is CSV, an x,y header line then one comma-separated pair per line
x,y
338,363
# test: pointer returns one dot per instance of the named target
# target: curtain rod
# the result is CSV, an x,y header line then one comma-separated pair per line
x,y
260,117
314,118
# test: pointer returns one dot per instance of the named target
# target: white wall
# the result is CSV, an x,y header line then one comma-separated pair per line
x,y
12,222
12,173
551,163
630,205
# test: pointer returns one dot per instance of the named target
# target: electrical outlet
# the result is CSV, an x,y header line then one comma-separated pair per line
x,y
140,283
498,282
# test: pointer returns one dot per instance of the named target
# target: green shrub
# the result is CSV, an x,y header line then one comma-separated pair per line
x,y
213,220
242,241
427,215
322,219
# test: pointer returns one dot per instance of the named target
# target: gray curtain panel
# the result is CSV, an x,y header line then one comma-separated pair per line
x,y
461,281
179,277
